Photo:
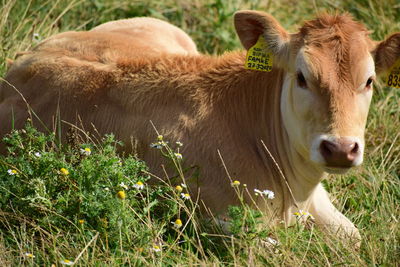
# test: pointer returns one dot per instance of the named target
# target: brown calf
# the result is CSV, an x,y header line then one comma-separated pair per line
x,y
310,110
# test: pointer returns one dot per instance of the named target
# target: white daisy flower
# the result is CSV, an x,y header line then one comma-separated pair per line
x,y
86,151
12,172
37,154
139,185
235,183
123,185
29,255
177,223
36,37
269,194
67,262
185,196
157,145
178,155
156,248
272,241
265,193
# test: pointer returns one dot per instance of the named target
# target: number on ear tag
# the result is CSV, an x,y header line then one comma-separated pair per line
x,y
258,57
393,78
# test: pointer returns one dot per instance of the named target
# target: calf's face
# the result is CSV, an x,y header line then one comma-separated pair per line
x,y
330,65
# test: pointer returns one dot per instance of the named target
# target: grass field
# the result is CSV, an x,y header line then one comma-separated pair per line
x,y
79,217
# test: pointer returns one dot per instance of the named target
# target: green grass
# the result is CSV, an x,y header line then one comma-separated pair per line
x,y
41,208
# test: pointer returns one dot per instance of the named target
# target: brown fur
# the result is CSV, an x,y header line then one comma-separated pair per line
x,y
119,83
173,40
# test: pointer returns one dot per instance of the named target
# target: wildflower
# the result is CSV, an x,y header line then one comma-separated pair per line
x,y
266,193
86,151
121,195
303,215
29,255
156,248
37,154
139,185
160,137
272,241
178,155
64,171
106,188
12,172
178,188
235,183
179,143
185,196
177,223
36,37
257,192
124,186
269,194
67,262
81,221
157,145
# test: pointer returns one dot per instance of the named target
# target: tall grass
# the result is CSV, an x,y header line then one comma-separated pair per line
x,y
369,196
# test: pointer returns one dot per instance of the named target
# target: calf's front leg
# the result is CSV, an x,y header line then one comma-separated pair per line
x,y
327,216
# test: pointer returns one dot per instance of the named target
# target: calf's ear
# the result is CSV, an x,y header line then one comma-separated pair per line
x,y
386,53
250,24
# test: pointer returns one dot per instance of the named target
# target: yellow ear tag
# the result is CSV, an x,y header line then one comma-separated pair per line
x,y
393,78
258,57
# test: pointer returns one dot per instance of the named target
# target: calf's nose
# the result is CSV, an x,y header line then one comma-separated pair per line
x,y
340,153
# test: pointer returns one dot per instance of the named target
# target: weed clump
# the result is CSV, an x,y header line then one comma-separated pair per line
x,y
79,189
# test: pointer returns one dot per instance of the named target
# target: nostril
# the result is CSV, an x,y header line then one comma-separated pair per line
x,y
355,149
326,148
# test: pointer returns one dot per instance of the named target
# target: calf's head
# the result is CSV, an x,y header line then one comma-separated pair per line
x,y
330,67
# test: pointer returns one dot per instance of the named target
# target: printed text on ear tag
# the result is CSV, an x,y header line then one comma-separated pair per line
x,y
258,57
393,78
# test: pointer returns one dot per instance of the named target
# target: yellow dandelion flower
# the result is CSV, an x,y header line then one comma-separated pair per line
x,y
178,188
64,171
121,195
303,215
81,221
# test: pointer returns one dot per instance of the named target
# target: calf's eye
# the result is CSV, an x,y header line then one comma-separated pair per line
x,y
301,81
369,82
